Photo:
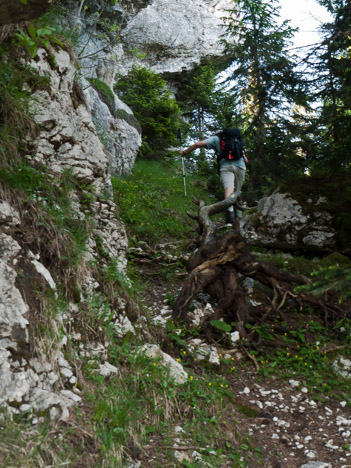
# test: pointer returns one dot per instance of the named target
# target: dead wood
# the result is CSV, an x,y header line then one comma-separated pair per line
x,y
220,267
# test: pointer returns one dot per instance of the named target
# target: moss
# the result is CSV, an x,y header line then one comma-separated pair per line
x,y
255,218
335,258
105,93
129,118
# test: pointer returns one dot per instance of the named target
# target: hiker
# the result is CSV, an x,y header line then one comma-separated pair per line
x,y
229,148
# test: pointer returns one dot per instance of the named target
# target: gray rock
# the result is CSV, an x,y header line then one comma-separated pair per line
x,y
175,368
176,36
118,128
316,464
280,222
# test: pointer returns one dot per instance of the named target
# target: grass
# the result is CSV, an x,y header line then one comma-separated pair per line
x,y
152,204
16,120
308,355
143,407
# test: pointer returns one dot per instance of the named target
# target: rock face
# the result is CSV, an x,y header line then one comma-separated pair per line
x,y
281,222
91,137
119,130
170,38
176,36
34,380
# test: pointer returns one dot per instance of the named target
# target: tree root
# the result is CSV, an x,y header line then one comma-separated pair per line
x,y
220,266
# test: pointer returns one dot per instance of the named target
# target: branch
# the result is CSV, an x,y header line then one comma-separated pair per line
x,y
96,51
208,227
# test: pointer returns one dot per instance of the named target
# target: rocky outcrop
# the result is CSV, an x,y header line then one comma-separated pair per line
x,y
171,38
176,36
119,130
34,379
281,222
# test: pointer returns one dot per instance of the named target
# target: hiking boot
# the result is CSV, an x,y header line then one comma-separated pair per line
x,y
229,217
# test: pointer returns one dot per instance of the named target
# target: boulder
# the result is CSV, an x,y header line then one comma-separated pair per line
x,y
282,222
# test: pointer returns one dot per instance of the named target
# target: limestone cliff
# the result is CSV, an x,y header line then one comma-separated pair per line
x,y
72,119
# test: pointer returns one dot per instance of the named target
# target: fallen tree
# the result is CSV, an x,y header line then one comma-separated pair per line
x,y
220,267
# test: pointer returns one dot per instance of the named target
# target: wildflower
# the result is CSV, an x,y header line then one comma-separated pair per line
x,y
209,384
177,360
154,363
191,377
184,352
232,368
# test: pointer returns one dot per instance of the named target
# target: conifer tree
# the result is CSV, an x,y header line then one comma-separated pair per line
x,y
265,82
153,105
331,84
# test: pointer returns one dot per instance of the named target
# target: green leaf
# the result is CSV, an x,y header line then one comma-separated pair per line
x,y
32,32
221,325
45,43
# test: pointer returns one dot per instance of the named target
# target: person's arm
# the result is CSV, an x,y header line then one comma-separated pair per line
x,y
245,158
198,144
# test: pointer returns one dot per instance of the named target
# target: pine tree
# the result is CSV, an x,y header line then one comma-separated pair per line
x,y
265,82
331,84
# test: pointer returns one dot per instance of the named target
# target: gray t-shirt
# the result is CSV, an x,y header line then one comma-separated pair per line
x,y
214,143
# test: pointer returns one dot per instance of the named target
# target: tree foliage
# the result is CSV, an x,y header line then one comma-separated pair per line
x,y
265,82
153,105
330,65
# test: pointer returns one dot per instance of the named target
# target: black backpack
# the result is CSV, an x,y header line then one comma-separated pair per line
x,y
231,144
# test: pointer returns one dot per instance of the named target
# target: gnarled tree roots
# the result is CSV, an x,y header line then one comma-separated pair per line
x,y
221,267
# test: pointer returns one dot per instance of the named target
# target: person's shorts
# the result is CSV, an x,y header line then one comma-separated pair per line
x,y
232,176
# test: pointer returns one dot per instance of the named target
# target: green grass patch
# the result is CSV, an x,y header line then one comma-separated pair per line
x,y
152,203
309,354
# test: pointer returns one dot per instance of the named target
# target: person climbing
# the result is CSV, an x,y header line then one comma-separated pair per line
x,y
229,149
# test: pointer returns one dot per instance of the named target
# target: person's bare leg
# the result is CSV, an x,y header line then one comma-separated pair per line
x,y
228,191
230,211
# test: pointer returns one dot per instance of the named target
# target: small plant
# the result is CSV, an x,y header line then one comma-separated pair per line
x,y
36,38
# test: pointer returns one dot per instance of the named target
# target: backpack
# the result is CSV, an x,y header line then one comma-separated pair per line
x,y
231,144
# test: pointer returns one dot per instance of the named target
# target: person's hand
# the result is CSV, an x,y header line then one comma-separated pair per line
x,y
245,159
181,152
